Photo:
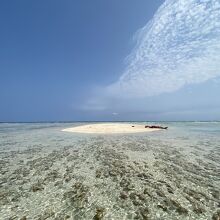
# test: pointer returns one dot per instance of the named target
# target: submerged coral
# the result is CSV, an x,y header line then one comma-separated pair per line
x,y
110,177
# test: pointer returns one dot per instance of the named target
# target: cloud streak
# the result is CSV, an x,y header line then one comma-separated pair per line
x,y
180,46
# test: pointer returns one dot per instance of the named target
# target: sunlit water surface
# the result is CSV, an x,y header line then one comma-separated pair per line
x,y
49,174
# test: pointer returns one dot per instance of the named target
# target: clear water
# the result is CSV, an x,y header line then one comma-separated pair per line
x,y
49,174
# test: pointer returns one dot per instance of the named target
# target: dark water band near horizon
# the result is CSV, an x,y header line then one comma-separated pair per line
x,y
49,174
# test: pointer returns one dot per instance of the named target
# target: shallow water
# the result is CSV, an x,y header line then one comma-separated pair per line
x,y
49,174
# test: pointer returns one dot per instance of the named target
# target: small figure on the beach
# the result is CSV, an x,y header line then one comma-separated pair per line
x,y
155,126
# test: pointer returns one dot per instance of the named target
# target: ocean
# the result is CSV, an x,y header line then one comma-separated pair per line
x,y
46,173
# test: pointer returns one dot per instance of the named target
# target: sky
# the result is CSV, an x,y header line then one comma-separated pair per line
x,y
109,60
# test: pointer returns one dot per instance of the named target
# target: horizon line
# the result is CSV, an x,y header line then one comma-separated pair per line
x,y
29,122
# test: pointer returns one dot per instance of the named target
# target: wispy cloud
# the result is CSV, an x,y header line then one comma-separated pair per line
x,y
178,47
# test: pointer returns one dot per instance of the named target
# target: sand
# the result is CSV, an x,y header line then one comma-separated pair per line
x,y
110,128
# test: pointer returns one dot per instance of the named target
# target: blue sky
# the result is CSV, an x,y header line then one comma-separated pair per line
x,y
109,60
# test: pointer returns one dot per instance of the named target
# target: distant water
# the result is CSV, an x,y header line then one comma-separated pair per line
x,y
49,174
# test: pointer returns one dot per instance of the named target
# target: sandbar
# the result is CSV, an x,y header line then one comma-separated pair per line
x,y
110,128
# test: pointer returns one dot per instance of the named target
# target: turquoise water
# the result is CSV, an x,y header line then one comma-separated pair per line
x,y
49,174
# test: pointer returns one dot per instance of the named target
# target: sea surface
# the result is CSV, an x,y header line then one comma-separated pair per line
x,y
46,173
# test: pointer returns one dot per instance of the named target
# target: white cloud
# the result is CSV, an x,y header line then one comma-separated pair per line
x,y
115,113
178,47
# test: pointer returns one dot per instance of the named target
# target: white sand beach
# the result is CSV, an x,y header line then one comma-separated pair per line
x,y
110,128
